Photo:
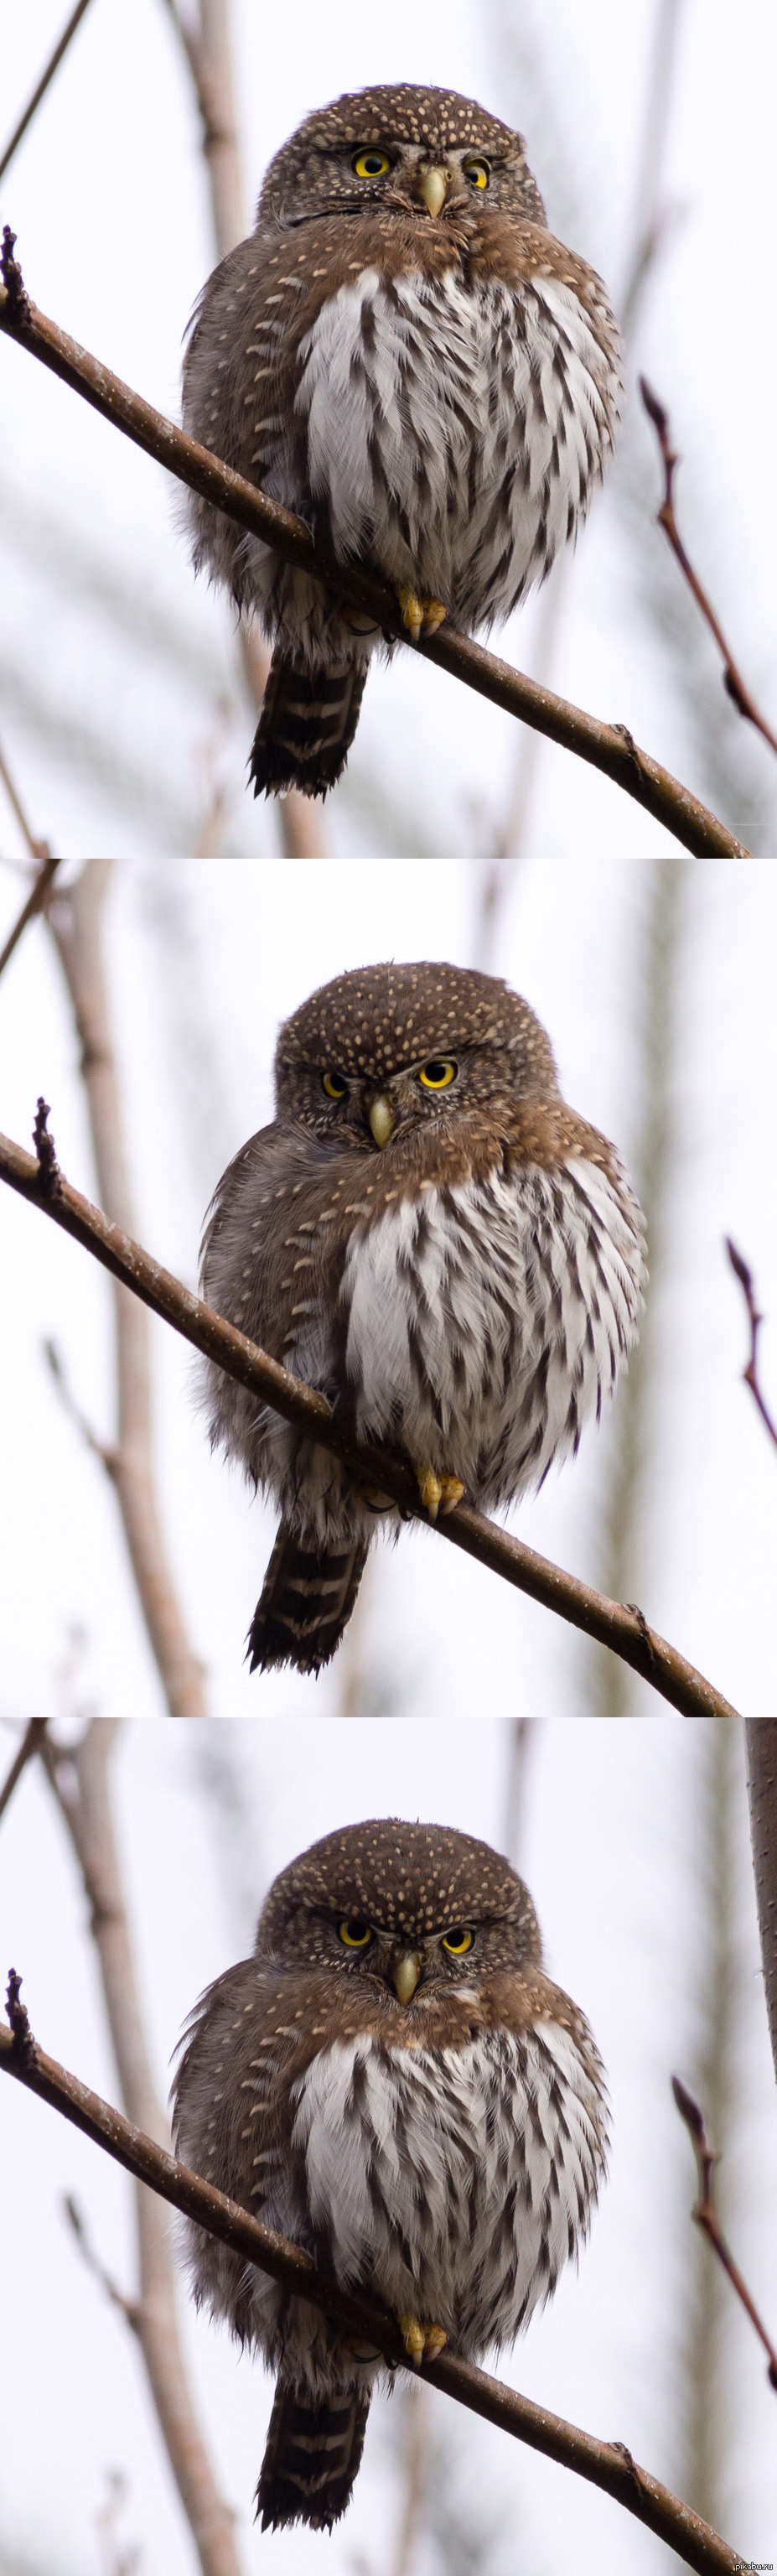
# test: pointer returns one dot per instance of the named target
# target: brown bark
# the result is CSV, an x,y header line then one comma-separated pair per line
x,y
88,1817
76,922
761,1738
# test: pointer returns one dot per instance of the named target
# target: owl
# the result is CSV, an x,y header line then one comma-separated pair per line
x,y
394,2083
404,355
431,1237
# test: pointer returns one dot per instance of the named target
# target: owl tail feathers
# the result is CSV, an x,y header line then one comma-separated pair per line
x,y
307,1598
312,2456
306,726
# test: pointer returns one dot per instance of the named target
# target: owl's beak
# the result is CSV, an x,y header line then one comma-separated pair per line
x,y
382,1119
406,1972
434,188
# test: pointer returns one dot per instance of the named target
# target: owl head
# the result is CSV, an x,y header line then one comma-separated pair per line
x,y
405,150
409,1906
384,1050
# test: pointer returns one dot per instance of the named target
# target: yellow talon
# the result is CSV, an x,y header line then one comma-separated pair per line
x,y
418,613
438,1492
422,2343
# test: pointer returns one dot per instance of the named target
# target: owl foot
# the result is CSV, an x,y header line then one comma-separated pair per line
x,y
422,2343
438,1493
418,612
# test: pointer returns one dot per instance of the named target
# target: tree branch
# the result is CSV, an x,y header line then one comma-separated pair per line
x,y
625,1629
31,1743
761,1743
705,2214
604,2464
750,1373
75,923
610,748
51,67
732,679
79,1779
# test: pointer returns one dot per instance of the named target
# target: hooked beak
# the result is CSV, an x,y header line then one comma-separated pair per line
x,y
434,188
382,1119
406,1972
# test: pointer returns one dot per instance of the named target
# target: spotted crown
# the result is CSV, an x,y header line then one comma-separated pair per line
x,y
408,1879
378,1019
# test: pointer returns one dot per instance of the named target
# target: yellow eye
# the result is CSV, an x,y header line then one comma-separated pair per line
x,y
457,1942
333,1085
477,172
371,165
437,1074
355,1933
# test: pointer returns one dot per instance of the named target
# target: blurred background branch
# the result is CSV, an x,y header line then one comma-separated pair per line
x,y
79,1775
75,922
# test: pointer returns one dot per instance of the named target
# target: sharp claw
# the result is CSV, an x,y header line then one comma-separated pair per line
x,y
419,613
438,1493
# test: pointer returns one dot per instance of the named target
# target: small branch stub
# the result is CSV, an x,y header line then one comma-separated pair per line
x,y
755,1319
24,2050
48,1168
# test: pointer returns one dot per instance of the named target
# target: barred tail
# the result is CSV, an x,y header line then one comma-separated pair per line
x,y
312,2456
306,1602
306,727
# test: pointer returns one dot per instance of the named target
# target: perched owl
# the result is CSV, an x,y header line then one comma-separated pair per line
x,y
393,2082
431,1237
404,355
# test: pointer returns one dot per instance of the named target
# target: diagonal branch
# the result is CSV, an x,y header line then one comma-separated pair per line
x,y
31,1743
625,1629
733,682
608,2465
608,747
52,66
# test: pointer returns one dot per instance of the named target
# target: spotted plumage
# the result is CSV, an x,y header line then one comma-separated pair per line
x,y
393,2082
404,355
432,1237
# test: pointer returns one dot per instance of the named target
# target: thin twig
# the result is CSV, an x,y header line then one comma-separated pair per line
x,y
51,67
39,850
624,1629
79,1777
130,2308
609,748
30,1744
732,678
750,1373
705,2214
75,922
98,1448
608,2465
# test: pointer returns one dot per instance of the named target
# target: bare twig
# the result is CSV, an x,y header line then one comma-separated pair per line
x,y
51,67
609,748
30,1744
608,2465
761,1741
49,1173
130,2308
750,1373
39,850
732,678
76,924
79,1778
705,2214
624,1629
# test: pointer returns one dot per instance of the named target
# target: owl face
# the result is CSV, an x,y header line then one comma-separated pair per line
x,y
386,1049
377,149
408,1908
